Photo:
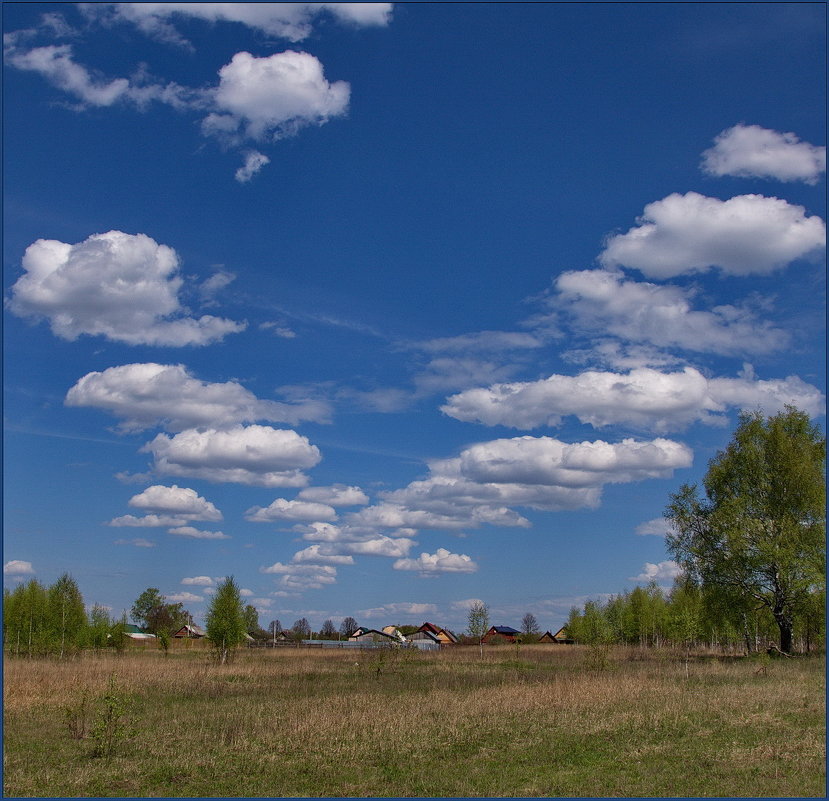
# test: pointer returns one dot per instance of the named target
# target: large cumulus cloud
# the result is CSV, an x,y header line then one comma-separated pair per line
x,y
602,303
745,235
255,455
124,287
273,97
147,395
644,398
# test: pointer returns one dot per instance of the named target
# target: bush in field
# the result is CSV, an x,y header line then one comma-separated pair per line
x,y
112,725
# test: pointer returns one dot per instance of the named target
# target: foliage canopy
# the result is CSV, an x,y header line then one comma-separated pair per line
x,y
758,534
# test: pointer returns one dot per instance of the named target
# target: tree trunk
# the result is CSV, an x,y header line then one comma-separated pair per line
x,y
784,623
746,635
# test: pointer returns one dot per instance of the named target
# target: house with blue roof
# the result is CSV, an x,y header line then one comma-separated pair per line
x,y
501,634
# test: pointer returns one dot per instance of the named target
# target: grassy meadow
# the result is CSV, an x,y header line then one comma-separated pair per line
x,y
527,721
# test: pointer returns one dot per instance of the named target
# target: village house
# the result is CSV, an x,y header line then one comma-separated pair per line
x,y
190,631
444,636
372,635
501,634
562,636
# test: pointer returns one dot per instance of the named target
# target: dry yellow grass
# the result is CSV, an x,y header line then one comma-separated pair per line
x,y
534,721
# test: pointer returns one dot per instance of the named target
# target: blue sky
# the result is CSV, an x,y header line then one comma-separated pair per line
x,y
385,308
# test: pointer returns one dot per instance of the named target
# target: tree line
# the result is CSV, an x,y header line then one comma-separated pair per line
x,y
691,615
41,620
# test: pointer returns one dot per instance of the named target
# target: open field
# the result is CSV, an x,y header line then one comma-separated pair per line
x,y
534,721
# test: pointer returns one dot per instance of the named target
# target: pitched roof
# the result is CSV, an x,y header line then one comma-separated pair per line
x,y
504,630
436,630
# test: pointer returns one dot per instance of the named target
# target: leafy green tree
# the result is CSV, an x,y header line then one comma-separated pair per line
x,y
99,627
251,619
760,529
573,625
66,614
25,622
118,634
594,628
143,609
225,619
158,617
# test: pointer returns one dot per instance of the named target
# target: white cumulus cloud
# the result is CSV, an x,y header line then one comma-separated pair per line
x,y
198,581
273,97
645,398
657,527
183,597
147,395
379,545
254,161
120,286
442,561
198,534
398,608
548,461
18,567
316,554
604,302
292,21
335,495
662,571
480,486
296,578
294,511
168,506
254,455
750,151
175,500
745,235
